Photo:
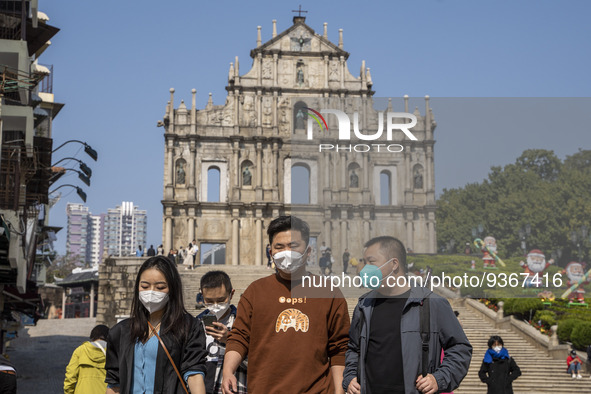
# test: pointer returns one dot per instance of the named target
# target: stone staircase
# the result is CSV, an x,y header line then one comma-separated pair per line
x,y
539,372
241,277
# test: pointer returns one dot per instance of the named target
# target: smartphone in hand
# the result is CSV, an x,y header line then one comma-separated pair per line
x,y
208,320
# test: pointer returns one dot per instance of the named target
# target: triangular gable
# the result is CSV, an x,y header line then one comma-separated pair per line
x,y
271,44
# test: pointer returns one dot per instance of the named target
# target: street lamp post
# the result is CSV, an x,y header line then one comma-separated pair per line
x,y
524,232
79,191
83,167
87,148
579,238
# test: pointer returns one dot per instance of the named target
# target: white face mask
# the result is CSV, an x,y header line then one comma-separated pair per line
x,y
288,261
153,300
218,309
497,348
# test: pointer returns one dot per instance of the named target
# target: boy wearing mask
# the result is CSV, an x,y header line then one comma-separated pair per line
x,y
217,292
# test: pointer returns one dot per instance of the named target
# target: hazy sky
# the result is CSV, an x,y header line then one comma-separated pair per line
x,y
114,62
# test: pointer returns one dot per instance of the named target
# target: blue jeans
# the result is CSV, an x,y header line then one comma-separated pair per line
x,y
574,368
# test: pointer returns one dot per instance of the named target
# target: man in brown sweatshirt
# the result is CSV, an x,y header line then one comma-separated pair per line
x,y
294,344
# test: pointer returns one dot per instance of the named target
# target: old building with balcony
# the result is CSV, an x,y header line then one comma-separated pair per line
x,y
27,109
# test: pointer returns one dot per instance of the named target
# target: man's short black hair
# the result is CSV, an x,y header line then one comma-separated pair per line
x,y
493,339
391,247
213,279
99,332
288,222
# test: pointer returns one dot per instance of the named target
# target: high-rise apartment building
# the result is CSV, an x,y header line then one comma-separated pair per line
x,y
125,229
120,231
78,241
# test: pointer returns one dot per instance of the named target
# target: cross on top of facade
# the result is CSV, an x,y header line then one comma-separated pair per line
x,y
299,11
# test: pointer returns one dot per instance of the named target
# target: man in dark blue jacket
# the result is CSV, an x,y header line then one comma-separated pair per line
x,y
385,346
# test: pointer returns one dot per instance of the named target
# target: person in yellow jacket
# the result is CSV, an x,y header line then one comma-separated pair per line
x,y
85,374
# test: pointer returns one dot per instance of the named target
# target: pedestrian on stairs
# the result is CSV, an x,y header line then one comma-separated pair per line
x,y
498,369
399,331
574,365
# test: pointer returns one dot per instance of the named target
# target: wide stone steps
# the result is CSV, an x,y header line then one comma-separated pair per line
x,y
241,277
540,373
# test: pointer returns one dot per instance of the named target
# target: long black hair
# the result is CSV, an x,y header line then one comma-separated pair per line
x,y
173,319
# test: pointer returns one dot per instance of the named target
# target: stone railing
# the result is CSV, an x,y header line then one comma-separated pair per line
x,y
498,319
115,293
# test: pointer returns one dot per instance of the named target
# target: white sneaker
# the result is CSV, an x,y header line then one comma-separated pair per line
x,y
574,376
579,376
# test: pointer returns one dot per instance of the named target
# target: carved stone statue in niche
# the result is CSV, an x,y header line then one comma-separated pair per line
x,y
300,75
180,173
300,121
333,72
354,180
418,178
246,177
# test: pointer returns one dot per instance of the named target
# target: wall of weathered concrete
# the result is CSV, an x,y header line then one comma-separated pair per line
x,y
116,279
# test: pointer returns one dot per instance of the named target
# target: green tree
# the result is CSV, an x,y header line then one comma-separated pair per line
x,y
538,189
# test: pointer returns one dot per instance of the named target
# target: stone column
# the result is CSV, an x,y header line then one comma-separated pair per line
x,y
365,171
335,172
235,240
259,164
236,159
91,314
260,69
275,174
236,111
190,226
343,166
325,71
275,63
408,172
168,235
327,231
64,303
168,192
193,150
409,232
258,255
366,230
274,108
342,64
259,108
343,244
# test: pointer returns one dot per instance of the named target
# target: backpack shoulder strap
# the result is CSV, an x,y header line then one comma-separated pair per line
x,y
425,335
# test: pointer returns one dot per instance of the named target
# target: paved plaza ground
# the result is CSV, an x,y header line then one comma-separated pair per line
x,y
41,353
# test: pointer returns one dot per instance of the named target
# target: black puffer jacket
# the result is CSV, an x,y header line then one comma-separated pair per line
x,y
499,375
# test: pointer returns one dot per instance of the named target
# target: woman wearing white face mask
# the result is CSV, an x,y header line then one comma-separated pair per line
x,y
498,370
161,347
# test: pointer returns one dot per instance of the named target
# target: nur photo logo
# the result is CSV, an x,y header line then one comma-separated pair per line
x,y
395,121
